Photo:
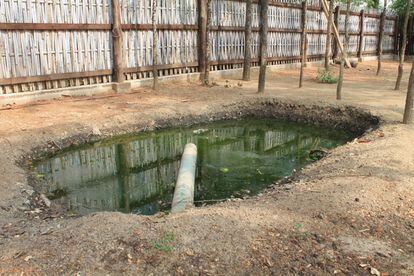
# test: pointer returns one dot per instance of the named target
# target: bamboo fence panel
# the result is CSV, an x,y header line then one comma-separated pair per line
x,y
316,44
372,25
353,43
33,52
297,2
316,20
370,43
38,53
176,47
354,23
55,11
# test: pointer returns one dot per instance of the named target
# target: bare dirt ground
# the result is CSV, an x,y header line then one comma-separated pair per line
x,y
350,213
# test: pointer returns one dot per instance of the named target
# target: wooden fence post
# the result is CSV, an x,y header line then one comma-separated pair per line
x,y
264,27
208,45
202,38
337,16
154,46
248,41
118,76
328,44
361,35
303,48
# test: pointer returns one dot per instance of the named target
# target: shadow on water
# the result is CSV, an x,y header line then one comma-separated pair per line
x,y
137,173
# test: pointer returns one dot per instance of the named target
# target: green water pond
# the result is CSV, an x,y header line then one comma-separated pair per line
x,y
136,174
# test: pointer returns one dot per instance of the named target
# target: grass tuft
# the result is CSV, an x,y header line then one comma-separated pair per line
x,y
325,76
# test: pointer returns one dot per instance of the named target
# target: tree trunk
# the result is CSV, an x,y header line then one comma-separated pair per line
x,y
154,46
344,53
118,74
361,35
264,6
336,46
329,35
208,50
202,38
303,42
408,112
403,45
381,37
248,41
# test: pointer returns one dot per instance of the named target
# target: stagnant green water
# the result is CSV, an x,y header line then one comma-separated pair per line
x,y
137,173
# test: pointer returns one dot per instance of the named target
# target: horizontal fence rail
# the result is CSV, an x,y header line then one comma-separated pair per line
x,y
48,44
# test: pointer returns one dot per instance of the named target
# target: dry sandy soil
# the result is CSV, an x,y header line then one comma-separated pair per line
x,y
350,213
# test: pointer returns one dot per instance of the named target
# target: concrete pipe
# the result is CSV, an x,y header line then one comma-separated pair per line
x,y
184,188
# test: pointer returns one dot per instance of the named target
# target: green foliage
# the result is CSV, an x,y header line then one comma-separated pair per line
x,y
325,76
399,7
165,243
368,3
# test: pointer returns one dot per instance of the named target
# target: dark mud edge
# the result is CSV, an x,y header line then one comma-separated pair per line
x,y
355,120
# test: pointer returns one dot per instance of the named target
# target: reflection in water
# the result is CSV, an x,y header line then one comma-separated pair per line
x,y
137,173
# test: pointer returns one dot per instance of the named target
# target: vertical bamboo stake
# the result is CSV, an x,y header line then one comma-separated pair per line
x,y
344,53
118,65
408,112
381,36
264,6
403,45
202,38
361,35
208,48
248,41
329,35
154,46
303,42
337,16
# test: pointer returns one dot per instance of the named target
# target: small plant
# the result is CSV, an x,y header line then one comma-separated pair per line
x,y
325,76
39,176
164,244
298,226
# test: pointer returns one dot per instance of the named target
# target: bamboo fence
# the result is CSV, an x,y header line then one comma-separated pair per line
x,y
50,44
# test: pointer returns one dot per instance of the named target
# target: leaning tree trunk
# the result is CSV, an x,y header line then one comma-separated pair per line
x,y
328,46
248,41
344,53
408,112
403,45
154,46
264,6
381,37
